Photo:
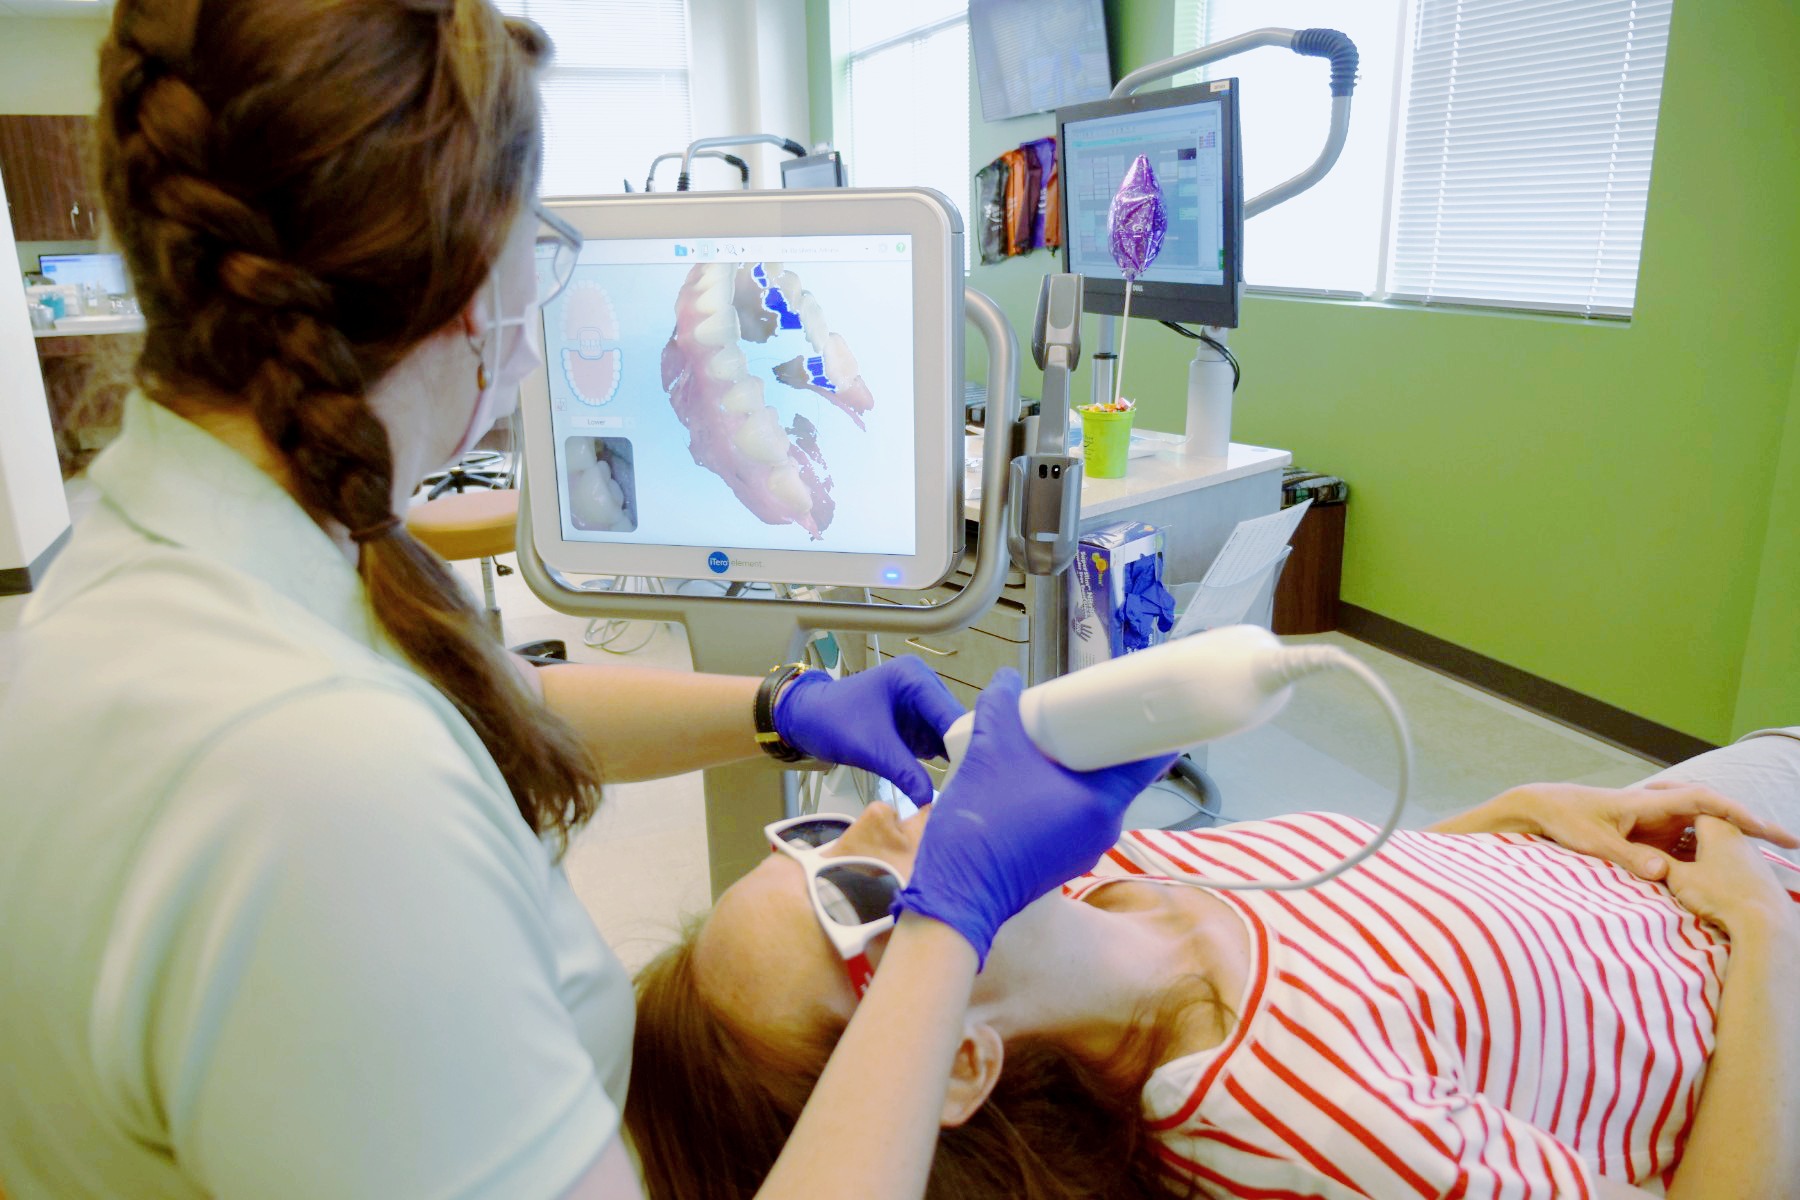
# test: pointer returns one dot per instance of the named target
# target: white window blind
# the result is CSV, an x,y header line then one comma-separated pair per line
x,y
616,93
908,91
1327,240
1530,126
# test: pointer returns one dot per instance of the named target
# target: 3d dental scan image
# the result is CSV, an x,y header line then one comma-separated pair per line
x,y
739,327
602,492
725,393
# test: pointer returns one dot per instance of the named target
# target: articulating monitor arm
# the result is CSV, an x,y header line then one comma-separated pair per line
x,y
737,139
730,160
1314,43
1046,479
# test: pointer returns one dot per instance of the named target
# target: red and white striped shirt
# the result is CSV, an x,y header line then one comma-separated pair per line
x,y
1484,1015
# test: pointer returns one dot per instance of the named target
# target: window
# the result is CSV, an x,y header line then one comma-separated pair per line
x,y
616,93
907,77
1519,168
1328,238
1526,162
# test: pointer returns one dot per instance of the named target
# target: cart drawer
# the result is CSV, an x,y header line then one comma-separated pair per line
x,y
968,656
1007,618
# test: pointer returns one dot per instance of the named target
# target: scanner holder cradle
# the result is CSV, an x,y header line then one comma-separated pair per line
x,y
1046,480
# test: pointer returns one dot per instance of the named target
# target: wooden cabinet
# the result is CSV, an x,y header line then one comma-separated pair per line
x,y
44,161
85,381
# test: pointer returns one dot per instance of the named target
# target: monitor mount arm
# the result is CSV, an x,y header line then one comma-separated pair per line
x,y
736,139
1314,43
1046,479
730,160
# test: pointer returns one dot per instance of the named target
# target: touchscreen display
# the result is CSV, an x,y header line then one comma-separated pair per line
x,y
748,392
1182,144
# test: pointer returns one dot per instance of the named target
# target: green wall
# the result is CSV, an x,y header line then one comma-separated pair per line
x,y
1770,690
1610,506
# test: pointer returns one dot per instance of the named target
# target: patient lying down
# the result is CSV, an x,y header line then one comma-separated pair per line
x,y
1475,1011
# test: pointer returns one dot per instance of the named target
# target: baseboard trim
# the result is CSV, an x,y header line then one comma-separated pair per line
x,y
1561,704
16,581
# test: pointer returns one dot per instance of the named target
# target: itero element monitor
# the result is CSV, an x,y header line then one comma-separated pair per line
x,y
753,386
1191,137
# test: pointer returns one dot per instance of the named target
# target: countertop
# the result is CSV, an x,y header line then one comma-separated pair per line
x,y
91,327
1162,472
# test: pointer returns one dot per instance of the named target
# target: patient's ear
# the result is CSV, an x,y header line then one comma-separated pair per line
x,y
973,1074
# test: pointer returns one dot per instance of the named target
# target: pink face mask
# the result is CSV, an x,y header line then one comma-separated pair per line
x,y
508,348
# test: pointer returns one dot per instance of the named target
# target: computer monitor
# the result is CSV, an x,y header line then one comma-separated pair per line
x,y
1191,137
1033,56
824,170
106,270
753,386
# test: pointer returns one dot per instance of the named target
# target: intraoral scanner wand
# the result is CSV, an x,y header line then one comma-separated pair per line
x,y
1181,694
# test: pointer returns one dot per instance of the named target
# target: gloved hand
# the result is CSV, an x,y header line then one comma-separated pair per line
x,y
882,720
1011,824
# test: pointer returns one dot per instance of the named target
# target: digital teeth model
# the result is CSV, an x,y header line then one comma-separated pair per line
x,y
591,367
778,473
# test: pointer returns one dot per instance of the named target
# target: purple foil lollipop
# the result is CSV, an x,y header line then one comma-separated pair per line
x,y
1138,220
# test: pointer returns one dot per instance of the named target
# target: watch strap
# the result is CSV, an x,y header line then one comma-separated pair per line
x,y
763,712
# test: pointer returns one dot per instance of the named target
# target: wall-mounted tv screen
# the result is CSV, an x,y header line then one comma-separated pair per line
x,y
1032,56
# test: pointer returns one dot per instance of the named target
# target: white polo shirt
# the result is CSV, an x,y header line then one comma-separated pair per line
x,y
270,923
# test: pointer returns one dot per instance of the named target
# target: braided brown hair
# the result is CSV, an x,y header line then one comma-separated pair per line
x,y
305,191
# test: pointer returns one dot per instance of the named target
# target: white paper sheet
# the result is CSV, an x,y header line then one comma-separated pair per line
x,y
1238,574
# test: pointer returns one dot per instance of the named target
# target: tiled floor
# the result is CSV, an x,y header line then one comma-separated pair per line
x,y
641,866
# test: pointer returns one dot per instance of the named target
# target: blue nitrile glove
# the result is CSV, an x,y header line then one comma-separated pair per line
x,y
1011,824
1149,609
882,720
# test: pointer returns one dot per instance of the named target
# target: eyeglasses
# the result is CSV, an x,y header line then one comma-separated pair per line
x,y
850,896
558,248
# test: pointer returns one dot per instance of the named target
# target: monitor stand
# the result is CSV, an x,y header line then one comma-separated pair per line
x,y
747,636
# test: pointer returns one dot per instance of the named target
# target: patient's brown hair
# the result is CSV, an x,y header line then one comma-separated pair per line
x,y
306,190
710,1105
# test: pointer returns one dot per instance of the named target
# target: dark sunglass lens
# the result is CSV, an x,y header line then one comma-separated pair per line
x,y
854,893
820,831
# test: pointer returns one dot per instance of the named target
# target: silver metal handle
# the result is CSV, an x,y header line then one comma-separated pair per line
x,y
1288,189
74,211
916,644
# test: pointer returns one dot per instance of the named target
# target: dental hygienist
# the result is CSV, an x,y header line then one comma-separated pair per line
x,y
281,913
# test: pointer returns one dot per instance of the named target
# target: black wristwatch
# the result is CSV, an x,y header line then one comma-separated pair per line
x,y
763,712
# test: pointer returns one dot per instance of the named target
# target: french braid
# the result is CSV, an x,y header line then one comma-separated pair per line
x,y
305,190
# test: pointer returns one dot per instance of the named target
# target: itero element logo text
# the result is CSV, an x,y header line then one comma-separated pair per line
x,y
718,562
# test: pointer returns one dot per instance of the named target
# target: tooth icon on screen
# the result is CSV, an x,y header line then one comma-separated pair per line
x,y
591,363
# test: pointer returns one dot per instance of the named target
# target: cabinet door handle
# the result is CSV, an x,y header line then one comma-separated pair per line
x,y
74,211
916,644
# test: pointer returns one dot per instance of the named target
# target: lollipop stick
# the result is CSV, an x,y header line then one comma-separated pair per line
x,y
1124,333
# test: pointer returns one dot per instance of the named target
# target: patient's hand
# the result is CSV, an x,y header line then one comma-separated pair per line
x,y
1639,828
1729,883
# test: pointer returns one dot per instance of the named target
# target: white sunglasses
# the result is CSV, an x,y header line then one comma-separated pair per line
x,y
851,896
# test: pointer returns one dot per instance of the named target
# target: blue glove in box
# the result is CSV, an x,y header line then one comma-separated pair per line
x,y
1117,601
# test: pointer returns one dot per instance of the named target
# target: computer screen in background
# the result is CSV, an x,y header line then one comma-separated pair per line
x,y
814,171
105,270
1033,56
1190,137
